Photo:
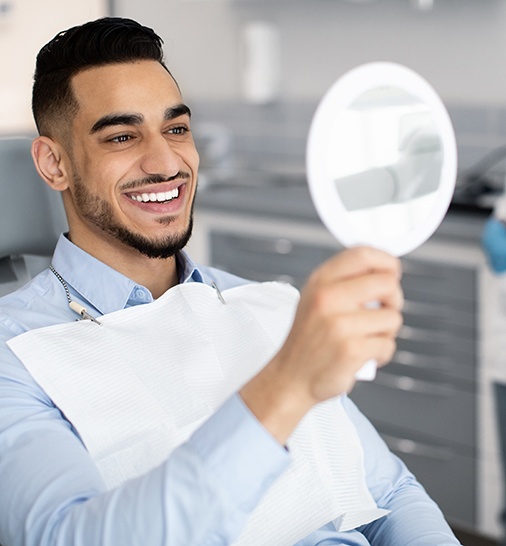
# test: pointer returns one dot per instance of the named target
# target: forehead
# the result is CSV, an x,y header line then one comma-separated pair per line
x,y
144,87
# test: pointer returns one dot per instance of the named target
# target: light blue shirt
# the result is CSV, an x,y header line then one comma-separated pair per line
x,y
51,492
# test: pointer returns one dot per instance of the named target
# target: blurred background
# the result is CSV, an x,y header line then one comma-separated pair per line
x,y
459,46
253,72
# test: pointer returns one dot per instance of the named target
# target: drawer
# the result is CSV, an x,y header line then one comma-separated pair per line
x,y
434,409
448,316
440,341
440,354
437,367
265,258
437,283
448,474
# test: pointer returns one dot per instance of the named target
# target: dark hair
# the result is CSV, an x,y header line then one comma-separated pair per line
x,y
96,43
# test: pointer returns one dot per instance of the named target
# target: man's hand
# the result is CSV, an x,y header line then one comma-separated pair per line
x,y
335,331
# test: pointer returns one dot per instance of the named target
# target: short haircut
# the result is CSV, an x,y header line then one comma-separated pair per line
x,y
97,43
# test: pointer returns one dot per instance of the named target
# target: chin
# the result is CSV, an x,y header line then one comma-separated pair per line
x,y
162,248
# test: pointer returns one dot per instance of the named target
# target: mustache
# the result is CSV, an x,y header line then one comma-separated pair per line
x,y
154,179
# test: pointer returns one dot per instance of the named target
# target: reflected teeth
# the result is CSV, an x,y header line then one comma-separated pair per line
x,y
159,197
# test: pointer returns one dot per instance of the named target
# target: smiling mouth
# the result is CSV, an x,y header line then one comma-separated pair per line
x,y
158,197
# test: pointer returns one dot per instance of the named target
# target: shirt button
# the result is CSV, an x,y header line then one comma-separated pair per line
x,y
140,294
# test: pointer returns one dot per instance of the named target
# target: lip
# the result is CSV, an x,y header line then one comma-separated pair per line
x,y
156,207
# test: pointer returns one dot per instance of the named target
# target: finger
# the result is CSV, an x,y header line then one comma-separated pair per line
x,y
358,261
381,288
367,323
348,361
357,293
381,349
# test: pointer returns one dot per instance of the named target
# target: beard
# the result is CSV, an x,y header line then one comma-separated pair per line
x,y
100,213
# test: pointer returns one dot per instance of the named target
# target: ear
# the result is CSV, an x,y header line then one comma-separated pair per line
x,y
49,162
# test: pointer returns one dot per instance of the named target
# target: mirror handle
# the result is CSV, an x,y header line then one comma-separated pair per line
x,y
368,371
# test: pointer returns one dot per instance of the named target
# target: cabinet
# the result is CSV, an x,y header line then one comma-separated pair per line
x,y
424,403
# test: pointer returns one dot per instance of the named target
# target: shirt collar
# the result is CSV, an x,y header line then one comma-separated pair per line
x,y
104,287
188,271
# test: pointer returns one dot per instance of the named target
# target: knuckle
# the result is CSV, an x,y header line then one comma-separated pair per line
x,y
392,283
351,348
319,302
389,346
361,253
394,320
391,350
314,276
323,300
400,296
399,321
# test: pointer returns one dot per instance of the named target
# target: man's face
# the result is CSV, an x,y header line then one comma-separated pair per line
x,y
133,161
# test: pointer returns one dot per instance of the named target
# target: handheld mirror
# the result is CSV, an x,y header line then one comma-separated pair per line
x,y
381,160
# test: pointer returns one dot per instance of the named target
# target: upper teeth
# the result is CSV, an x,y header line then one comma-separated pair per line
x,y
155,197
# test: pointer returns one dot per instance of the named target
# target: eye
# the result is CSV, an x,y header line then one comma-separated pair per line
x,y
120,139
179,130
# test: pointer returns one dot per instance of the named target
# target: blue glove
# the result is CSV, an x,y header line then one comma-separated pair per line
x,y
493,240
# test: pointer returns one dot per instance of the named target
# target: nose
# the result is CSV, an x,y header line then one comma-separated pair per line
x,y
160,158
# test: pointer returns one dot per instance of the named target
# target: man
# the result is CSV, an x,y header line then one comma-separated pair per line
x,y
115,140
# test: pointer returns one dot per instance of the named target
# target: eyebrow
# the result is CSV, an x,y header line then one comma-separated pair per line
x,y
111,120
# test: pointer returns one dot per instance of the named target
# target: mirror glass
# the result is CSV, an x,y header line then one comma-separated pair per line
x,y
381,158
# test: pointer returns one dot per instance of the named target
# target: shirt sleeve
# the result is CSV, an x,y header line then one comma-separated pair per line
x,y
52,492
415,519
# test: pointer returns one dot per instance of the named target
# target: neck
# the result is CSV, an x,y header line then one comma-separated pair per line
x,y
156,274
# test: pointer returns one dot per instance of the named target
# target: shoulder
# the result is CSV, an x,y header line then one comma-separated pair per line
x,y
223,279
27,308
38,303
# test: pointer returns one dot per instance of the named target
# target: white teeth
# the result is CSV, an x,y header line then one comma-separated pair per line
x,y
159,197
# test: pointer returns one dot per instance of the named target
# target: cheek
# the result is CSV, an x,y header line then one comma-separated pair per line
x,y
193,160
102,176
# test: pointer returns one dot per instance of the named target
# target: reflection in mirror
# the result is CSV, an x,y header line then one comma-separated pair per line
x,y
381,158
393,157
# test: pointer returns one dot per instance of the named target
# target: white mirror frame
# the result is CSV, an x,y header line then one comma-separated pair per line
x,y
340,96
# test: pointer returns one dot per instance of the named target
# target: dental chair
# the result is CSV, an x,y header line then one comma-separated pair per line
x,y
31,216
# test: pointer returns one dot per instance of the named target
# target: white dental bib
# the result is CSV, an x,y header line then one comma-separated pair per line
x,y
140,384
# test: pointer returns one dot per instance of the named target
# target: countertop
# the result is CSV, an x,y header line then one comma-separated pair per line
x,y
289,199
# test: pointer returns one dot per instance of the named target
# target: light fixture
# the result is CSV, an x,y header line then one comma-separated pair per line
x,y
423,5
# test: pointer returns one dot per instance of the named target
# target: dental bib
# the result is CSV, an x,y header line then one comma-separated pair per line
x,y
140,384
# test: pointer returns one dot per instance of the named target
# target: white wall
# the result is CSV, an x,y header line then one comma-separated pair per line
x,y
25,26
460,46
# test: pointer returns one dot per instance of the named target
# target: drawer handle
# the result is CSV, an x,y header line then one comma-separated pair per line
x,y
418,334
434,310
409,384
288,279
416,360
410,447
258,276
270,245
407,332
283,246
